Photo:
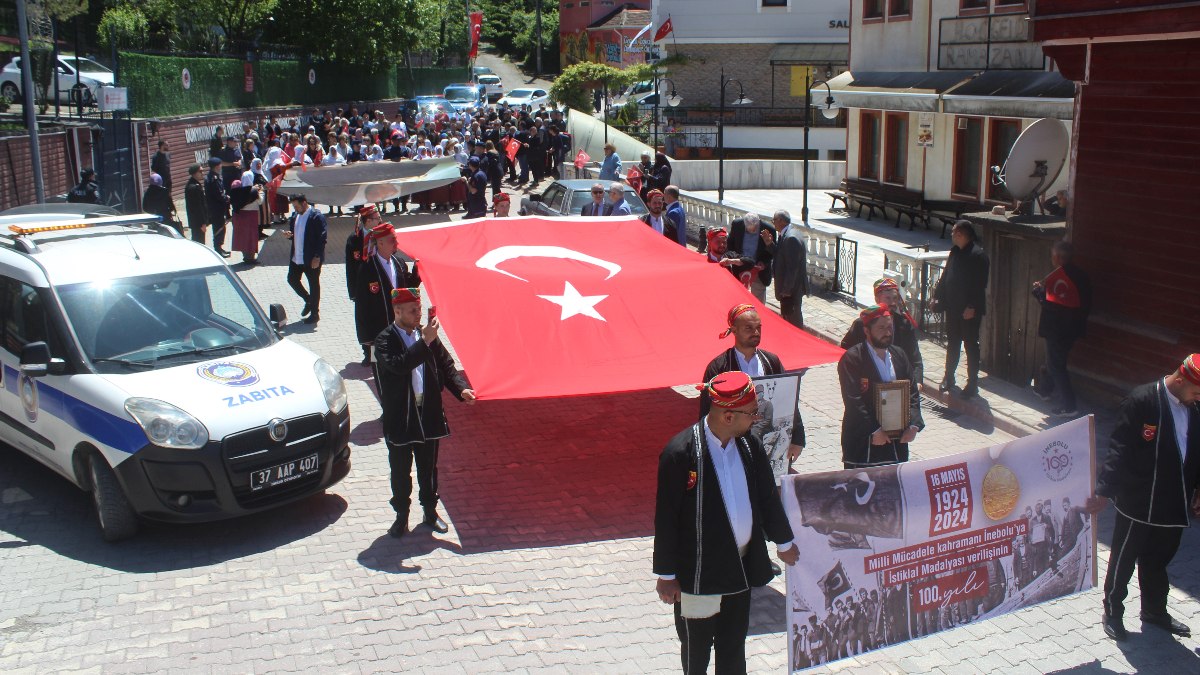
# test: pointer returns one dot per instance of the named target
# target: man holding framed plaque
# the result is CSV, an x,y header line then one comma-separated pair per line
x,y
883,403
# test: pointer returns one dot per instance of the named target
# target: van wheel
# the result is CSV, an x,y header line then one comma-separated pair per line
x,y
116,516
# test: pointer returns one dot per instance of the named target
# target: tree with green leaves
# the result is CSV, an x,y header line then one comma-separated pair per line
x,y
574,86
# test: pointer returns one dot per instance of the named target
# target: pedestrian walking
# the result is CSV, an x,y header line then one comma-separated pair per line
x,y
308,230
1066,299
675,214
160,163
157,200
610,168
218,204
383,270
244,199
194,203
962,295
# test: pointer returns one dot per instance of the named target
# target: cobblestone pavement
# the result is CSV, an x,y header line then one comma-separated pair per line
x,y
546,567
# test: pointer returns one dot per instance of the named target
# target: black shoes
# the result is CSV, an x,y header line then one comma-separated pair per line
x,y
1063,412
1165,622
306,311
312,318
1114,627
399,528
223,252
970,391
435,523
946,385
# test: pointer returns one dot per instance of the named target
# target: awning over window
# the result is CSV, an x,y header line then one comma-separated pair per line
x,y
811,53
911,91
1014,94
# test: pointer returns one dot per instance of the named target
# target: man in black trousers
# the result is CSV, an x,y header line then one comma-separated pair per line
x,y
962,294
308,231
218,204
1066,299
1150,475
414,367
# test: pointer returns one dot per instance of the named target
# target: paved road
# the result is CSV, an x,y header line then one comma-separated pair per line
x,y
546,567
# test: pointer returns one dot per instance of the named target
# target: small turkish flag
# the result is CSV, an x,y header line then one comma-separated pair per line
x,y
664,30
634,178
512,149
582,159
1061,290
605,308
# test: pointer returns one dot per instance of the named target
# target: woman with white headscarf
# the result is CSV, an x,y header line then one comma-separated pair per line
x,y
244,197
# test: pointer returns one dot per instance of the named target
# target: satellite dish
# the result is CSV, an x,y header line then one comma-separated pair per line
x,y
1035,161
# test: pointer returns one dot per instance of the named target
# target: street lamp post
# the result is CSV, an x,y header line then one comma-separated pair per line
x,y
672,100
741,100
829,112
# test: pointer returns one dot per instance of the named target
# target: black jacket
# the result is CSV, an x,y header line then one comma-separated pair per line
x,y
763,254
1143,473
771,365
669,230
195,204
403,421
218,201
904,336
791,265
692,536
372,293
858,378
354,260
316,232
160,164
157,200
964,283
1059,321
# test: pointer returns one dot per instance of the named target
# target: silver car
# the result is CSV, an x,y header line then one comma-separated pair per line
x,y
568,197
88,74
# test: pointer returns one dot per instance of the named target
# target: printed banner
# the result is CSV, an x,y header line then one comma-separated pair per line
x,y
898,552
778,396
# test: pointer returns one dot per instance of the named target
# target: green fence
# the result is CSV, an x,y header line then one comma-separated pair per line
x,y
156,83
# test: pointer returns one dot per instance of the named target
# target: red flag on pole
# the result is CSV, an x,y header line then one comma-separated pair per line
x,y
582,159
634,178
606,308
476,31
664,30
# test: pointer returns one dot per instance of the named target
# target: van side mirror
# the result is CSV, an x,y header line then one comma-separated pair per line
x,y
35,359
278,315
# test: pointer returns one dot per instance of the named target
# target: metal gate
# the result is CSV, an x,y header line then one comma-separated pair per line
x,y
113,160
933,324
846,267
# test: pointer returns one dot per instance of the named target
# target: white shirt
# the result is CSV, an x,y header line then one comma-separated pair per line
x,y
887,372
1179,414
298,237
751,367
418,373
388,268
656,222
731,474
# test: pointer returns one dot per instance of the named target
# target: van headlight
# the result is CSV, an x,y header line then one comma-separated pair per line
x,y
332,385
166,425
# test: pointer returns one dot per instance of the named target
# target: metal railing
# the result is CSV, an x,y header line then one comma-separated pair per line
x,y
918,273
750,116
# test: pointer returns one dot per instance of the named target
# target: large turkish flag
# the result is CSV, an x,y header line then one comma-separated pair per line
x,y
541,307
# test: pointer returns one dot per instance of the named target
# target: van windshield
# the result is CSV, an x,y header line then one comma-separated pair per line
x,y
461,93
161,321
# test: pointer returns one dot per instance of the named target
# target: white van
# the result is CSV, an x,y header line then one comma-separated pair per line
x,y
135,364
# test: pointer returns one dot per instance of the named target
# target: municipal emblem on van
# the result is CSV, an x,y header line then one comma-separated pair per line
x,y
229,372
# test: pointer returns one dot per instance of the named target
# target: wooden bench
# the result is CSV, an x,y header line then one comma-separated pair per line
x,y
904,202
948,212
838,195
864,192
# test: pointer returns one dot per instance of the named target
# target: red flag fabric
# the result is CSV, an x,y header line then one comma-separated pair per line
x,y
582,159
544,307
664,30
476,30
1060,290
512,149
634,178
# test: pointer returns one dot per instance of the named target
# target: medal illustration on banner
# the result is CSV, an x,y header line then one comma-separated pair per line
x,y
571,300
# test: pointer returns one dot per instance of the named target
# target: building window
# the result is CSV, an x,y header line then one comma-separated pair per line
x,y
868,144
774,3
973,5
895,149
1002,134
872,9
968,155
899,7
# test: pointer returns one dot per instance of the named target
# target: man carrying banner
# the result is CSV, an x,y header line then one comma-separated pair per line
x,y
860,371
716,506
414,367
1150,475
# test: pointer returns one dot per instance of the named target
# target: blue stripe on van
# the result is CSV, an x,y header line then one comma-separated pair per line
x,y
115,432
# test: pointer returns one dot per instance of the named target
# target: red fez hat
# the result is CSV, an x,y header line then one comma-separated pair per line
x,y
1191,368
731,390
713,235
382,230
367,209
873,312
500,197
403,295
884,284
734,313
651,194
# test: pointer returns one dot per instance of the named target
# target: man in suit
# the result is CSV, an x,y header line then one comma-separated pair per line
x,y
1150,475
308,231
716,507
160,163
195,204
617,206
860,370
904,327
754,240
597,207
962,294
218,204
655,218
675,214
791,269
382,270
415,367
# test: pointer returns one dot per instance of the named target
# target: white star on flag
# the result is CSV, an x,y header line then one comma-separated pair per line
x,y
573,303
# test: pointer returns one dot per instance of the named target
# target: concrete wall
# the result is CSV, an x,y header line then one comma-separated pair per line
x,y
724,20
755,174
791,138
587,134
698,80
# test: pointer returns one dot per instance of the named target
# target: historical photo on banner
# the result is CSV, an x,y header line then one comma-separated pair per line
x,y
778,397
898,552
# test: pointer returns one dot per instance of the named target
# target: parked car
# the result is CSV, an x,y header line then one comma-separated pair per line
x,y
635,90
476,71
466,97
493,87
91,76
156,382
645,105
568,197
529,97
431,105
